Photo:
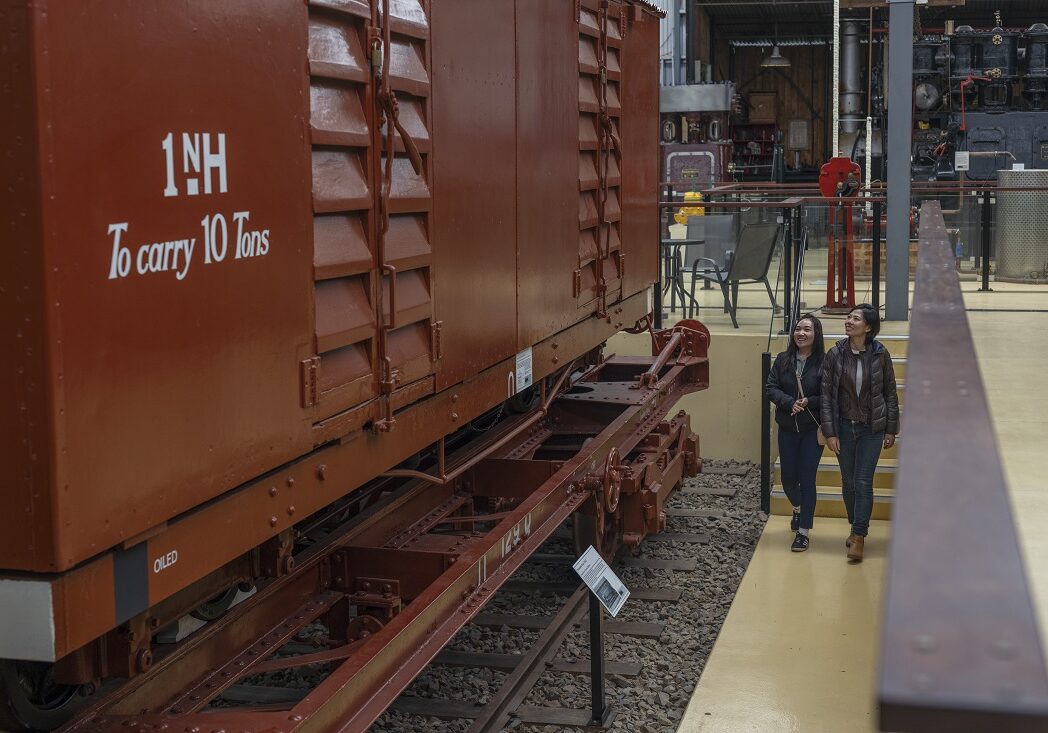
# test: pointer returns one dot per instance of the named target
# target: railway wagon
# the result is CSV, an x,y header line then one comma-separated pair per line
x,y
259,254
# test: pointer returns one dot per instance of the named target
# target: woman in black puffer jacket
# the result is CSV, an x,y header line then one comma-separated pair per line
x,y
860,414
794,388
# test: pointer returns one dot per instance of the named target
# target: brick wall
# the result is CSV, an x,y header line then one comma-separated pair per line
x,y
864,259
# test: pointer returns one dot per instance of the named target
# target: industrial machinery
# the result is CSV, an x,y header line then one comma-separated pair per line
x,y
270,324
696,147
840,179
980,104
980,92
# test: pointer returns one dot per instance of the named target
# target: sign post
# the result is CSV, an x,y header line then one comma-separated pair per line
x,y
607,591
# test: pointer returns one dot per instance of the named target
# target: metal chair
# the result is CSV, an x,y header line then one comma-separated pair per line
x,y
748,263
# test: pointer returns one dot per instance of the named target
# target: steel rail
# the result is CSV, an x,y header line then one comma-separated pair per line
x,y
495,715
960,648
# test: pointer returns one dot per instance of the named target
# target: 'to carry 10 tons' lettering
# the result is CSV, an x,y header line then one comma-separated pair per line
x,y
203,162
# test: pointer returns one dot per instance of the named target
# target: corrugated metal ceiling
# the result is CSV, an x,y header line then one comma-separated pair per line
x,y
746,14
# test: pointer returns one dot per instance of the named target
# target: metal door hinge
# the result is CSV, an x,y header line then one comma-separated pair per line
x,y
436,347
308,369
576,283
390,376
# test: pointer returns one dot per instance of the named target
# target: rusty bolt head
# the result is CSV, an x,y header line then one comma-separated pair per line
x,y
387,588
338,581
555,344
290,482
1003,650
923,682
273,521
366,586
144,660
454,416
322,471
291,510
555,359
272,490
924,643
454,398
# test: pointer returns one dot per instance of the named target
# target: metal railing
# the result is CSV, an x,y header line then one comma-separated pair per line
x,y
960,648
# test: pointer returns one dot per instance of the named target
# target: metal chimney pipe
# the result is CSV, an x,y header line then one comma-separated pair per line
x,y
677,45
852,116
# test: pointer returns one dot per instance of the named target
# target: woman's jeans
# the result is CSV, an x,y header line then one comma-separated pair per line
x,y
799,456
860,451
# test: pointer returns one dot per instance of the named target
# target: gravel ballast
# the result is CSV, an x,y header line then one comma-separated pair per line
x,y
653,701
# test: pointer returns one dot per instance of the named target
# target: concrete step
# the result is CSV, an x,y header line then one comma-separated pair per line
x,y
897,344
899,362
830,503
830,473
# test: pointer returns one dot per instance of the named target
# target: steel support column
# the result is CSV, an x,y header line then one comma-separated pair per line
x,y
675,12
900,126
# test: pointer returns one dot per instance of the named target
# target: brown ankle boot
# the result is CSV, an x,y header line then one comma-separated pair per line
x,y
855,549
848,542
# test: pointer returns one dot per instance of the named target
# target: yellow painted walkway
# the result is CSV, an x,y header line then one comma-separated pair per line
x,y
798,651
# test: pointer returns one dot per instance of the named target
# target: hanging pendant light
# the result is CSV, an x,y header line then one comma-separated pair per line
x,y
776,59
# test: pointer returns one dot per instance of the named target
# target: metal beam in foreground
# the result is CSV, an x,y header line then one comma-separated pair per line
x,y
900,124
960,648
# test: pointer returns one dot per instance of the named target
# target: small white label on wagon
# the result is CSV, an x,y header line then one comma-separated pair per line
x,y
523,372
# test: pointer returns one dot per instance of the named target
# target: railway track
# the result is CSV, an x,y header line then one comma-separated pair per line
x,y
532,684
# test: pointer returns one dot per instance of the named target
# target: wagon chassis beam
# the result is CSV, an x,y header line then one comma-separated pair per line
x,y
393,587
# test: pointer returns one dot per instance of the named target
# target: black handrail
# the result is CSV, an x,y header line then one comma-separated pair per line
x,y
802,248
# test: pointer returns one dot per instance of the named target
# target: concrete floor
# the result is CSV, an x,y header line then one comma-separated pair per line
x,y
798,651
1013,349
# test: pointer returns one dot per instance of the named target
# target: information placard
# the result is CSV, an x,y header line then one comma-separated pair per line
x,y
523,373
602,581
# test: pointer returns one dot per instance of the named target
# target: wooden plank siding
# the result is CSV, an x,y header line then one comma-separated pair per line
x,y
802,90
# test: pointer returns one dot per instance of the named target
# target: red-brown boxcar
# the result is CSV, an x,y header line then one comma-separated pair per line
x,y
256,254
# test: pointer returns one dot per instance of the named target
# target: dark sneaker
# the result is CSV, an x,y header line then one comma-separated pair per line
x,y
800,543
795,523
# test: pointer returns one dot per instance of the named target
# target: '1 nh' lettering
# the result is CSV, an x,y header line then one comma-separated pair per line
x,y
202,158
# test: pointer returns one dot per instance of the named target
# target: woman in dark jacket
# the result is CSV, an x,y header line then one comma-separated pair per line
x,y
860,414
794,388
